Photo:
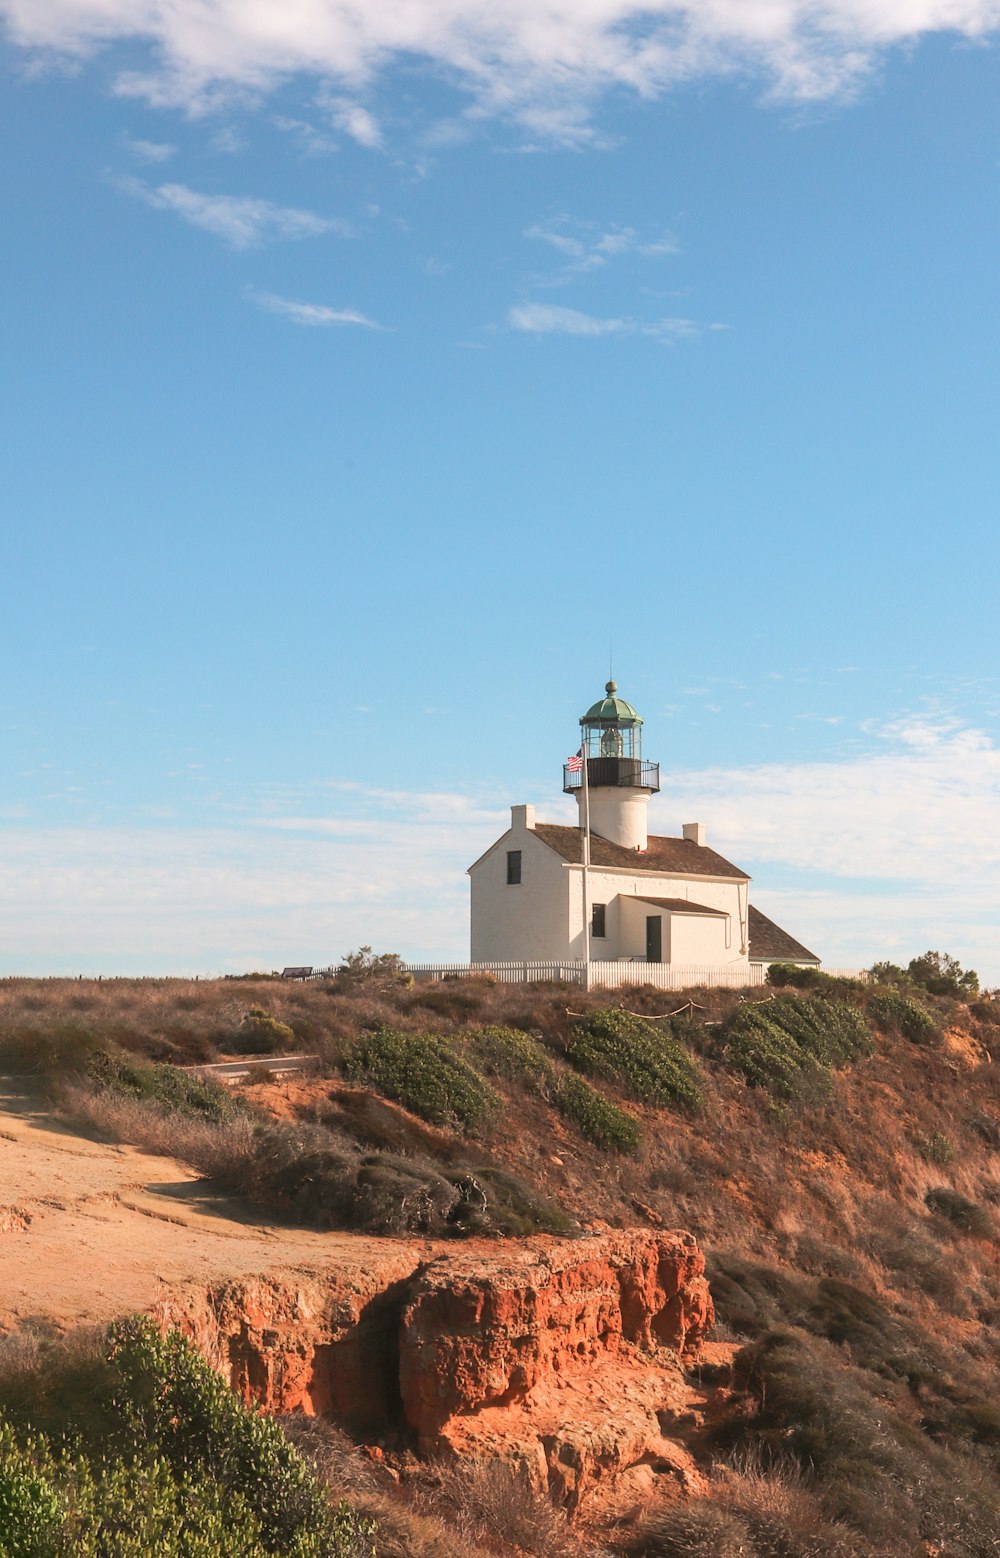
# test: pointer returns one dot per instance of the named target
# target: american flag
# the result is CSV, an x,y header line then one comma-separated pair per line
x,y
574,764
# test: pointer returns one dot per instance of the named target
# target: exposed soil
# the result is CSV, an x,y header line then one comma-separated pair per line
x,y
90,1230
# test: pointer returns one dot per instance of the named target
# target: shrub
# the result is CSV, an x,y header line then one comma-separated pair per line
x,y
509,1053
649,1064
113,1071
261,1034
494,1502
967,1215
511,1207
934,1147
766,1055
896,1013
368,970
598,1120
942,974
172,1464
789,1045
425,1073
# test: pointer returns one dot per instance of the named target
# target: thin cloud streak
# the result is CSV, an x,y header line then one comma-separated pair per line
x,y
553,319
317,315
545,66
586,248
242,221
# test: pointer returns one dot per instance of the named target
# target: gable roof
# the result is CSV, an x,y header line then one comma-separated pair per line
x,y
770,944
662,856
682,906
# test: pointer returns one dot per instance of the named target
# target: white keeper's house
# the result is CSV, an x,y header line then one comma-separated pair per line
x,y
646,898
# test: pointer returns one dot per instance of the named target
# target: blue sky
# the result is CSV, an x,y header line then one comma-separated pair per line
x,y
369,371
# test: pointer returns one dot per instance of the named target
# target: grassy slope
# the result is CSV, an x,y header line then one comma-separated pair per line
x,y
850,1233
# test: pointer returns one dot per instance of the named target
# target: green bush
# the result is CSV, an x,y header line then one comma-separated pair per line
x,y
647,1063
596,1117
789,1046
115,1071
942,974
172,1464
896,1013
261,1034
781,974
516,1056
508,1053
425,1073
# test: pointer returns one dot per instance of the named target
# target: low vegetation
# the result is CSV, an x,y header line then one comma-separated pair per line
x,y
790,1045
893,1012
643,1058
832,1144
138,1447
426,1073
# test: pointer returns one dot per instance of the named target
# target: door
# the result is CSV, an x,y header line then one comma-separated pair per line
x,y
654,939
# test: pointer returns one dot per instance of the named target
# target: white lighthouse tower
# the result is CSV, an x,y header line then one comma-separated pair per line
x,y
608,895
618,781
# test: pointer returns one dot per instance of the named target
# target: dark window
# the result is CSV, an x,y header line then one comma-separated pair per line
x,y
597,920
513,867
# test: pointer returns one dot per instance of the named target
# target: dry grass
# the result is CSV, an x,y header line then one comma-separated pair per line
x,y
447,1511
754,1511
816,1216
494,1504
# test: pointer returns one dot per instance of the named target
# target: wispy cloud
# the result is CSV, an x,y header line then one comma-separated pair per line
x,y
312,141
545,65
552,319
242,221
149,151
881,854
315,314
354,120
587,247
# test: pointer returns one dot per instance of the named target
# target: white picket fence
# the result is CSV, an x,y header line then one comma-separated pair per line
x,y
612,975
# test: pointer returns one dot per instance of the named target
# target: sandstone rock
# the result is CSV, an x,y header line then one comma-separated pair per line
x,y
559,1356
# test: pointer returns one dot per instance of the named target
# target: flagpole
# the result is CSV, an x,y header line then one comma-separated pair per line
x,y
586,865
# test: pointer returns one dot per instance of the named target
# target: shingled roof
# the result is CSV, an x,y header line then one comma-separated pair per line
x,y
662,857
770,944
682,906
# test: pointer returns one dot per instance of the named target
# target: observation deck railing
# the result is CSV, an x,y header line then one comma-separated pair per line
x,y
625,773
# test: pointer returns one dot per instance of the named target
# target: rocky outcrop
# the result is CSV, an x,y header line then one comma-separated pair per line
x,y
563,1356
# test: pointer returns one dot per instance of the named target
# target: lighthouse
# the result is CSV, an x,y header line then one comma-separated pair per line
x,y
618,782
608,894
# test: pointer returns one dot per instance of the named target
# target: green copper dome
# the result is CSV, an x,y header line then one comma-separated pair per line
x,y
611,710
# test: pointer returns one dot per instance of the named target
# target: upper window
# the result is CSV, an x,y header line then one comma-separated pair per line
x,y
597,923
513,867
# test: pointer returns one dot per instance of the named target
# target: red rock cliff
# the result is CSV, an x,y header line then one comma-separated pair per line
x,y
561,1355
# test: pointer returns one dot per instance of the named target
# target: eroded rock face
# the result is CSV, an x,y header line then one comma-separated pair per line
x,y
562,1356
478,1334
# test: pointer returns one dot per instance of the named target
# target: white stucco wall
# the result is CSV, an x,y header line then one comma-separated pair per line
x,y
626,923
685,938
542,917
529,920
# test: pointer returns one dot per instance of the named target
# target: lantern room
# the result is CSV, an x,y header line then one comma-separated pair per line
x,y
611,743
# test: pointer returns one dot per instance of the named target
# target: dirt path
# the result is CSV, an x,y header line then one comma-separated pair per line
x,y
89,1230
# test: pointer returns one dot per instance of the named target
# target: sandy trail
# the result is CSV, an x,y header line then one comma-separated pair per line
x,y
90,1230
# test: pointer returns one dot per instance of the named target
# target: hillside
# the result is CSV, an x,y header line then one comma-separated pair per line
x,y
832,1149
